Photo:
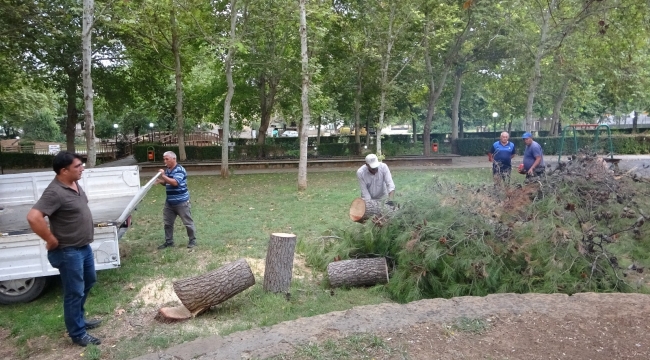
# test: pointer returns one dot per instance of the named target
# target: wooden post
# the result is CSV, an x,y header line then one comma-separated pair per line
x,y
279,262
201,292
358,272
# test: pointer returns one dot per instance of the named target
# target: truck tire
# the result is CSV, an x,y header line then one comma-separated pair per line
x,y
21,290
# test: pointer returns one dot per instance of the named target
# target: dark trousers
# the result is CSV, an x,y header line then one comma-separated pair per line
x,y
183,210
77,268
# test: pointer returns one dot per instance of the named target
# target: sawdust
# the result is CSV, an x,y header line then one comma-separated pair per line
x,y
156,293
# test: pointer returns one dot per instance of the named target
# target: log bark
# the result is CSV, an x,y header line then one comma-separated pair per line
x,y
279,263
358,272
201,292
362,210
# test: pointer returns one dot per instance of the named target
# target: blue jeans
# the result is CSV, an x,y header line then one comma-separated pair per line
x,y
77,268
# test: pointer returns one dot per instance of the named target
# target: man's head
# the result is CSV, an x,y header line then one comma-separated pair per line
x,y
504,137
528,138
372,162
169,157
68,166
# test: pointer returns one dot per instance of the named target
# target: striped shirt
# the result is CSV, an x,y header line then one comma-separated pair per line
x,y
377,186
177,194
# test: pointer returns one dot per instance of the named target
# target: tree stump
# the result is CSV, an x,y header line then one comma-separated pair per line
x,y
358,272
201,292
279,262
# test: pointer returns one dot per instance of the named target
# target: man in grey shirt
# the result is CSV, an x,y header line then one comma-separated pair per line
x,y
375,180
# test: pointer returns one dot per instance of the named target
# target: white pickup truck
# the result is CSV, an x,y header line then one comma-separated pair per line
x,y
113,193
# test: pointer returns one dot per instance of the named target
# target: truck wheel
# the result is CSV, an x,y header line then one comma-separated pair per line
x,y
21,290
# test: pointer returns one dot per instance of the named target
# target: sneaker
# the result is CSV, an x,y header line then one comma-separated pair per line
x,y
191,244
91,324
166,245
85,340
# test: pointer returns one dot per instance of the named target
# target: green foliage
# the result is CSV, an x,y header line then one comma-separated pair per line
x,y
42,126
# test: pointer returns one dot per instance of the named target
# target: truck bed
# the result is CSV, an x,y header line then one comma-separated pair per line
x,y
13,219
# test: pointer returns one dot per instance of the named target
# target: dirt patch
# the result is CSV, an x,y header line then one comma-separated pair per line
x,y
6,351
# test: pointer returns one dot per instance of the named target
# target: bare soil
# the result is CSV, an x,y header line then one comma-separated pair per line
x,y
529,326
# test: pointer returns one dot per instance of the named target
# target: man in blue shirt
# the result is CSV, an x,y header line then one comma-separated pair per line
x,y
501,156
533,157
174,177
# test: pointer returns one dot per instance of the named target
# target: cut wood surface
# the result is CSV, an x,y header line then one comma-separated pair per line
x,y
173,314
358,272
362,210
279,262
201,292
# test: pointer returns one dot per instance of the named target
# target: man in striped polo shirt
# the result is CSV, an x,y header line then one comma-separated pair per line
x,y
174,177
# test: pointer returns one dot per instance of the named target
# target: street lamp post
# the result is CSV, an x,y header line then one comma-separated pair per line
x,y
115,126
494,116
151,132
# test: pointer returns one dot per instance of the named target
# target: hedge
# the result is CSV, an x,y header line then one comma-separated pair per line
x,y
11,160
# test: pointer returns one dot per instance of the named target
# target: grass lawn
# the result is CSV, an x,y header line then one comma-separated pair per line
x,y
234,218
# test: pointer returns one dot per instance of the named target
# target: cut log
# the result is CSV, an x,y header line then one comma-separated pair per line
x,y
279,263
358,272
362,210
173,314
201,292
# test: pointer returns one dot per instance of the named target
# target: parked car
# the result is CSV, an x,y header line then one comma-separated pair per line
x,y
290,133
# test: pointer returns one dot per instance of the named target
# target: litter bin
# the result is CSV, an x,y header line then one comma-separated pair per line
x,y
151,154
434,147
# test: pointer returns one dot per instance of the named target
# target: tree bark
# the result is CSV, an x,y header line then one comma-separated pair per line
x,y
362,210
304,99
358,272
455,105
559,100
635,120
231,90
201,292
279,263
357,106
86,48
176,51
267,90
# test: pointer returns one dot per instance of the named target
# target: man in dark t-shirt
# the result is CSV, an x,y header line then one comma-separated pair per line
x,y
501,155
68,241
534,164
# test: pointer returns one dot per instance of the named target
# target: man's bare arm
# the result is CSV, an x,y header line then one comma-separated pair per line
x,y
38,224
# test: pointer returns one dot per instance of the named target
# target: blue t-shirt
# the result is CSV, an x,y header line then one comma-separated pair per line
x,y
177,194
532,151
503,154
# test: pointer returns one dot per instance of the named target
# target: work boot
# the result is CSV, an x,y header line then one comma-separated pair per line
x,y
91,324
166,245
191,244
85,340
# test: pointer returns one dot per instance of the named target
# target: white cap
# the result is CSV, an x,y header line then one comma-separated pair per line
x,y
372,161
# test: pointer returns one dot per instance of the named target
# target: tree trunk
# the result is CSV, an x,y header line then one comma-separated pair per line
x,y
635,120
267,101
320,121
86,48
357,107
455,105
362,210
358,272
176,51
279,263
201,292
306,115
73,116
385,64
231,90
434,95
555,118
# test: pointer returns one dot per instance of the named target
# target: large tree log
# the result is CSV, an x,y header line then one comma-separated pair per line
x,y
358,272
279,262
201,292
362,210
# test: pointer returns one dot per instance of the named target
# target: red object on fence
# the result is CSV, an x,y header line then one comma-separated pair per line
x,y
150,155
434,147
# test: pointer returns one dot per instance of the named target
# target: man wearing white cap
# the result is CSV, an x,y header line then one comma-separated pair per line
x,y
375,180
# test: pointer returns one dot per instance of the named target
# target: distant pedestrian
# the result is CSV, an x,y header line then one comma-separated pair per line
x,y
533,157
174,177
501,155
274,133
375,180
68,241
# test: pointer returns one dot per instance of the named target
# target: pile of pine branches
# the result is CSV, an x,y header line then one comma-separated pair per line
x,y
578,228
